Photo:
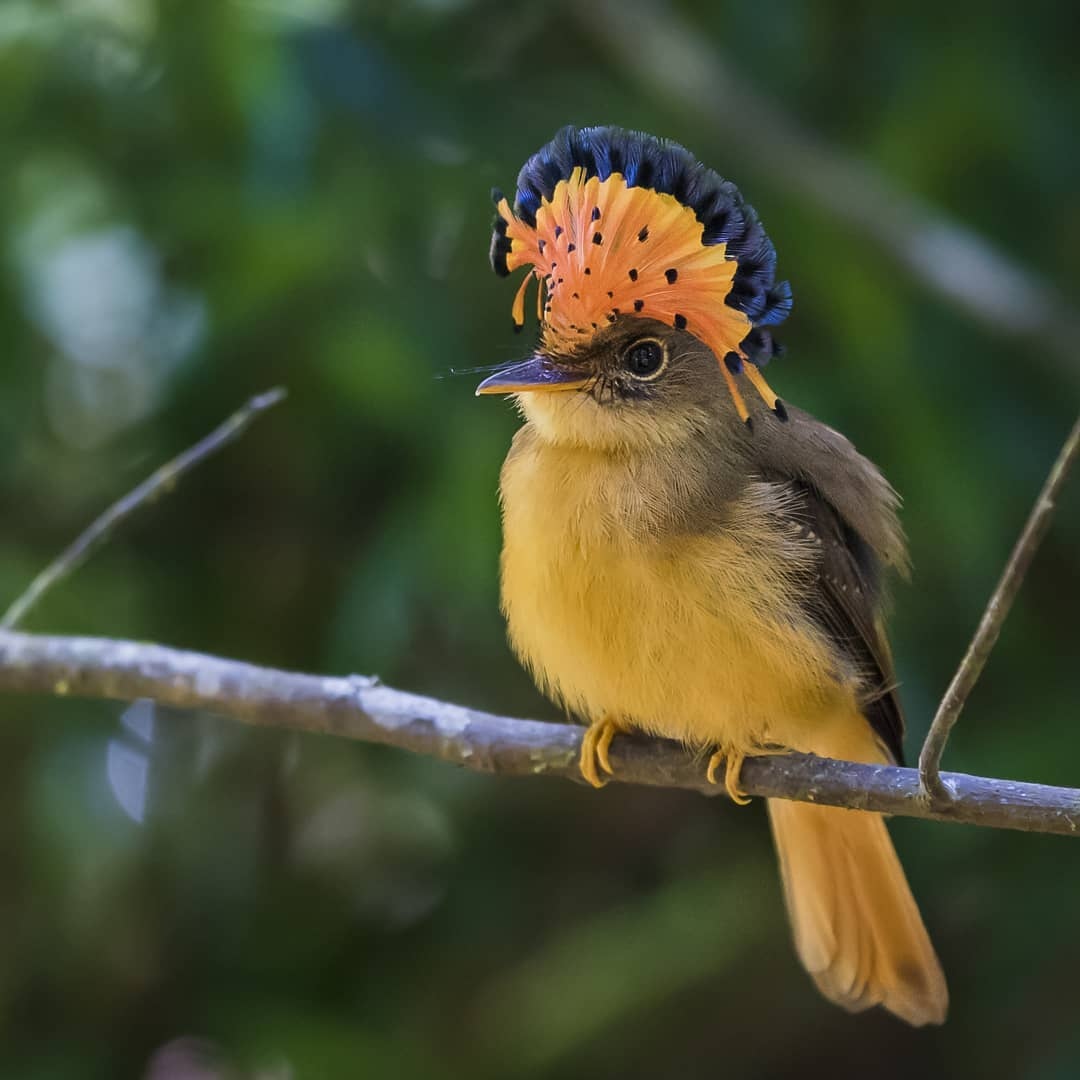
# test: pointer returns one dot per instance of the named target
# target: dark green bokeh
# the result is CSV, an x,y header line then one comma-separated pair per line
x,y
202,200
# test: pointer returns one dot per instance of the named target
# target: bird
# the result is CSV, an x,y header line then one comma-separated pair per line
x,y
685,554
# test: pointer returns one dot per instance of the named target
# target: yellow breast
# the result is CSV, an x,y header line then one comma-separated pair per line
x,y
694,637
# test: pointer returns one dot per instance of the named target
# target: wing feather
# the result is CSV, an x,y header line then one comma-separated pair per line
x,y
843,505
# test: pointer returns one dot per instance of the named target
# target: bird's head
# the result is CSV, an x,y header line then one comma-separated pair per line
x,y
636,383
656,293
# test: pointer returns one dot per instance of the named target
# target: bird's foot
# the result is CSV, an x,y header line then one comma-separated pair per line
x,y
732,761
594,751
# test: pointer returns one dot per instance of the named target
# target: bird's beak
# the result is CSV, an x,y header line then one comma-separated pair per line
x,y
537,373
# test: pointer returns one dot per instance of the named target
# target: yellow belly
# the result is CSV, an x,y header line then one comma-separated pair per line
x,y
692,637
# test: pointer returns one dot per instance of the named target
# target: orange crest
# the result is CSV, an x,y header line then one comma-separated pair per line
x,y
601,249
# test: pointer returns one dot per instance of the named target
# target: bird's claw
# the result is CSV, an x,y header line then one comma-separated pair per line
x,y
595,747
733,762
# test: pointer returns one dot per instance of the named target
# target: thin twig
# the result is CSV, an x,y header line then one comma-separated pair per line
x,y
364,709
997,609
164,479
685,68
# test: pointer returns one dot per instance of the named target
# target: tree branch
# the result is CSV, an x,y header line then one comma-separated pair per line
x,y
163,480
993,618
365,710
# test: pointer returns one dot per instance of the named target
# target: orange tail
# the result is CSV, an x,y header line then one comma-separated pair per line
x,y
857,929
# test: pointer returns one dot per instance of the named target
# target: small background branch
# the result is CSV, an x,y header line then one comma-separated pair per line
x,y
161,481
978,652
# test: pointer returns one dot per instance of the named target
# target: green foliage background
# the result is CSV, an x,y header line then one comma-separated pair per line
x,y
200,200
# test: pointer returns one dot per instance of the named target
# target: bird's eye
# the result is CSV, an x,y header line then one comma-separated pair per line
x,y
645,358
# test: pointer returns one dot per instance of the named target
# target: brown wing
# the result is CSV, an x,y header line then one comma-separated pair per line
x,y
845,600
850,508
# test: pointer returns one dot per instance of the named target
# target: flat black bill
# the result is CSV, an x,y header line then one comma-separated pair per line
x,y
535,374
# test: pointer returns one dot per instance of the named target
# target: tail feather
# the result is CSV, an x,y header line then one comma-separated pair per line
x,y
857,928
